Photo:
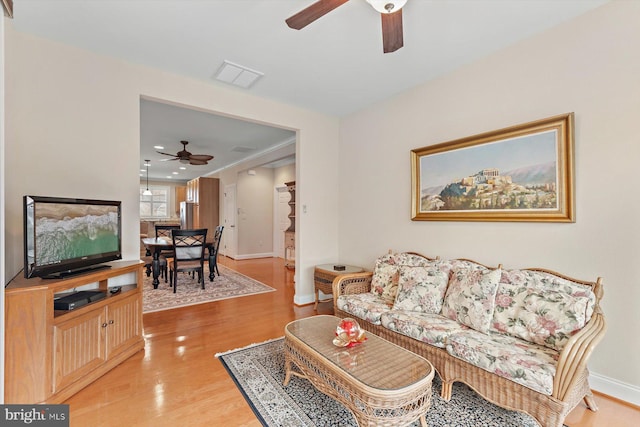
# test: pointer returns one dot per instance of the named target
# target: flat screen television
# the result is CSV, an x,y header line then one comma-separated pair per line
x,y
64,236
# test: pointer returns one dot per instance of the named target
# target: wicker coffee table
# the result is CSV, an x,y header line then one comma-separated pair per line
x,y
381,383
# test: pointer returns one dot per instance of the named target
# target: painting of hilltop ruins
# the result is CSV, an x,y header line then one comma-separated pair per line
x,y
522,173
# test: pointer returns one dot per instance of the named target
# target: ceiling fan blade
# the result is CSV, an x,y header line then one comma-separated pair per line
x,y
197,162
201,157
166,154
392,39
313,12
169,160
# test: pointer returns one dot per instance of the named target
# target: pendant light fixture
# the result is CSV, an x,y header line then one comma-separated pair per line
x,y
147,192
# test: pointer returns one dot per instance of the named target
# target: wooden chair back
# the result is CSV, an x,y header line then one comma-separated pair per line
x,y
189,245
164,230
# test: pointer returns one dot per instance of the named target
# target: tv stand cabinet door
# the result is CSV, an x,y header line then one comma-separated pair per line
x,y
78,347
124,319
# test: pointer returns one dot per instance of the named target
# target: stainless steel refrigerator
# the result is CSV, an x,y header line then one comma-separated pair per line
x,y
186,215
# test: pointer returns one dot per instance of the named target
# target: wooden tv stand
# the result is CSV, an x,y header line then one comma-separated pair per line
x,y
52,354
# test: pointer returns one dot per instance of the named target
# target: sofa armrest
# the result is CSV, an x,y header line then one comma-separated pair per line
x,y
349,284
574,356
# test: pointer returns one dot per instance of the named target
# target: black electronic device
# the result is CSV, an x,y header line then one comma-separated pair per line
x,y
64,236
77,299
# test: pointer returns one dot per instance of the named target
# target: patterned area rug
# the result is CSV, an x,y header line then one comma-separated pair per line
x,y
258,371
230,284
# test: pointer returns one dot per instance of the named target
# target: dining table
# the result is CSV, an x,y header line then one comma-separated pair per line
x,y
158,244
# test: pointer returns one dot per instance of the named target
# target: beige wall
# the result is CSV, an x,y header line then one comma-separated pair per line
x,y
589,66
74,128
284,174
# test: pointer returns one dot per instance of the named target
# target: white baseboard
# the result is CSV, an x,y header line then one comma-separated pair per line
x,y
253,256
304,299
614,388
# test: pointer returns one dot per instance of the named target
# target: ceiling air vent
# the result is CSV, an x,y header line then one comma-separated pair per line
x,y
237,75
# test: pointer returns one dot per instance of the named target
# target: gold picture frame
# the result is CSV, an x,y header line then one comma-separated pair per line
x,y
520,173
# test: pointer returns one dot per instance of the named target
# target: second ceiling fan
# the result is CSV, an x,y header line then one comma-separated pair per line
x,y
186,157
390,12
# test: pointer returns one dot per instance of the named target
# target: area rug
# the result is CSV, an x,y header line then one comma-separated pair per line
x,y
258,371
229,284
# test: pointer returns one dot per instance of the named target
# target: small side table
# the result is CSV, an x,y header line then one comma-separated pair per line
x,y
323,277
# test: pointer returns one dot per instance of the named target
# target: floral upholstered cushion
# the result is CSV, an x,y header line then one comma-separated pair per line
x,y
384,282
541,308
367,306
470,298
531,365
385,274
426,327
422,289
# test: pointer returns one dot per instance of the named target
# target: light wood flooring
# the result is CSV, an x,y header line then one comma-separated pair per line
x,y
177,381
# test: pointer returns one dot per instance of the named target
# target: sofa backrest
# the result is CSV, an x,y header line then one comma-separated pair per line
x,y
464,263
542,306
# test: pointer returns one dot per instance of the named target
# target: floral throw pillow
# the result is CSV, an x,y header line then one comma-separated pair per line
x,y
422,289
384,282
541,307
471,297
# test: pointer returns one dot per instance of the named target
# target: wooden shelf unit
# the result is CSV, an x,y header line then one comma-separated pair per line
x,y
290,233
52,354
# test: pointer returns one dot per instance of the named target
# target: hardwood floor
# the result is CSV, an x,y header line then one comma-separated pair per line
x,y
177,380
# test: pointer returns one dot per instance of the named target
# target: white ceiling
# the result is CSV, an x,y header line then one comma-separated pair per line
x,y
229,140
334,66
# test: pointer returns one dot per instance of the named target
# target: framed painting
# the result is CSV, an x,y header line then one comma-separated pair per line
x,y
521,173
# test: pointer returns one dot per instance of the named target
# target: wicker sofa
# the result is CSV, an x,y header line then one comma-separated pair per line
x,y
520,338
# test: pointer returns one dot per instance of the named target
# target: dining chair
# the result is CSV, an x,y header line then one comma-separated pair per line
x,y
148,263
164,231
217,236
189,249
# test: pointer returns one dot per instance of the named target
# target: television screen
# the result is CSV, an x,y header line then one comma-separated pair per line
x,y
64,236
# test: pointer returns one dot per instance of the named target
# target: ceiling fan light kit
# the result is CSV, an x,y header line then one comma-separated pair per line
x,y
387,6
390,12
